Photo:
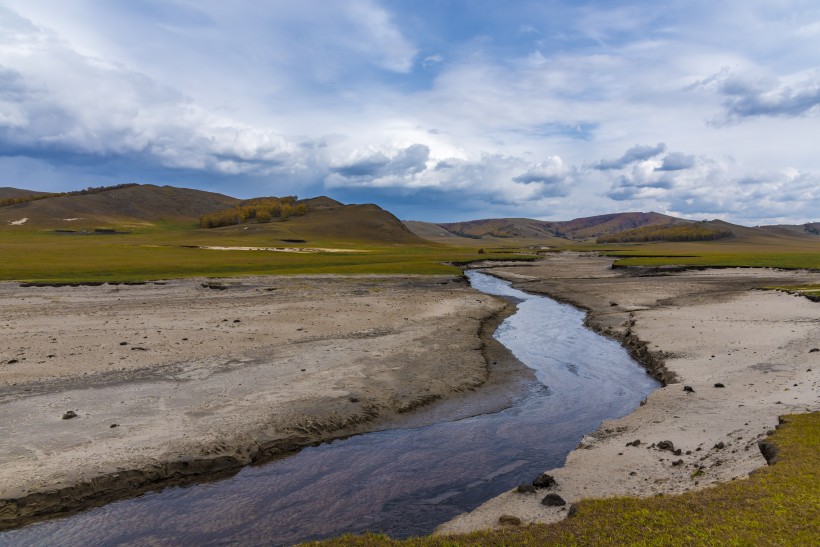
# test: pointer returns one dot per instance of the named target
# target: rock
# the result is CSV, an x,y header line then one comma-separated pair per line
x,y
353,399
688,389
719,385
814,350
573,510
138,348
70,414
544,481
237,321
525,489
12,361
678,452
123,343
636,442
769,451
666,445
720,446
509,520
553,500
677,463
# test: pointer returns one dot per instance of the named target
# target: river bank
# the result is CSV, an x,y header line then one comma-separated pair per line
x,y
745,356
113,390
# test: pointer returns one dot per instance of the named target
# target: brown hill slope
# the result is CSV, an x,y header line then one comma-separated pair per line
x,y
577,229
120,208
328,220
9,192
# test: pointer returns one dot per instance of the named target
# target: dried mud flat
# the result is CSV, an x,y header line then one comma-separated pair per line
x,y
192,379
735,358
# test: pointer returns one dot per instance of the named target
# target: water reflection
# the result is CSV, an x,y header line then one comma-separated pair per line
x,y
401,482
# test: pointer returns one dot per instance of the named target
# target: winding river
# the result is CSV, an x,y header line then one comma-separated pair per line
x,y
401,482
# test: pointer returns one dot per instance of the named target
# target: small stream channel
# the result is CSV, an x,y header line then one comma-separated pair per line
x,y
401,482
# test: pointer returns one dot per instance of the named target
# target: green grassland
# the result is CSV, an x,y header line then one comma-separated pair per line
x,y
169,251
762,253
164,250
777,505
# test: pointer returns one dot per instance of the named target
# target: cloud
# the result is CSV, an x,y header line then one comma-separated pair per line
x,y
634,154
499,179
676,161
371,168
58,103
754,95
710,188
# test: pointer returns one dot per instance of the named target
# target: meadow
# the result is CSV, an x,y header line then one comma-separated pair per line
x,y
172,252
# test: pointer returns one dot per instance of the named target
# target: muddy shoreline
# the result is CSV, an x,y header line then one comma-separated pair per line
x,y
454,319
732,358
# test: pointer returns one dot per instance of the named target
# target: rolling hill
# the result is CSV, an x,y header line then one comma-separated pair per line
x,y
529,231
8,192
119,208
147,206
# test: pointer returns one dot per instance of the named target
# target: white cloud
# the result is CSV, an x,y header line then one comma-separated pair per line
x,y
360,94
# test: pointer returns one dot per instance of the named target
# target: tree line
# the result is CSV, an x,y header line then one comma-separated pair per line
x,y
261,210
683,232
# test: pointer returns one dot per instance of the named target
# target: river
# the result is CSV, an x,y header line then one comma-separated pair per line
x,y
400,482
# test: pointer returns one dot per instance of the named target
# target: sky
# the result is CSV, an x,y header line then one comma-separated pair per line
x,y
436,110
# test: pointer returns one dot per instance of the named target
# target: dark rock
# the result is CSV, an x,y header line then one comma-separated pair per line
x,y
138,348
112,426
70,414
553,500
51,356
720,446
237,321
525,489
814,350
719,385
769,451
353,399
666,445
573,510
123,343
677,463
509,520
12,361
544,481
633,473
678,452
636,442
688,389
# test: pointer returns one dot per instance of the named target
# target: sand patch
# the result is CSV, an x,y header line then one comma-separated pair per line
x,y
285,249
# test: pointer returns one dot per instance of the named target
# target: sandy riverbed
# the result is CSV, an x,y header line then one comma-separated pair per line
x,y
193,378
705,327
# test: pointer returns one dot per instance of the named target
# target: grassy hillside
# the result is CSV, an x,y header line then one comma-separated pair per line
x,y
747,247
577,229
125,208
7,192
681,232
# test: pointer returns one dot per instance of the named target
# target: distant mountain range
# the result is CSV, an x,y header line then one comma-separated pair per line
x,y
131,207
611,228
